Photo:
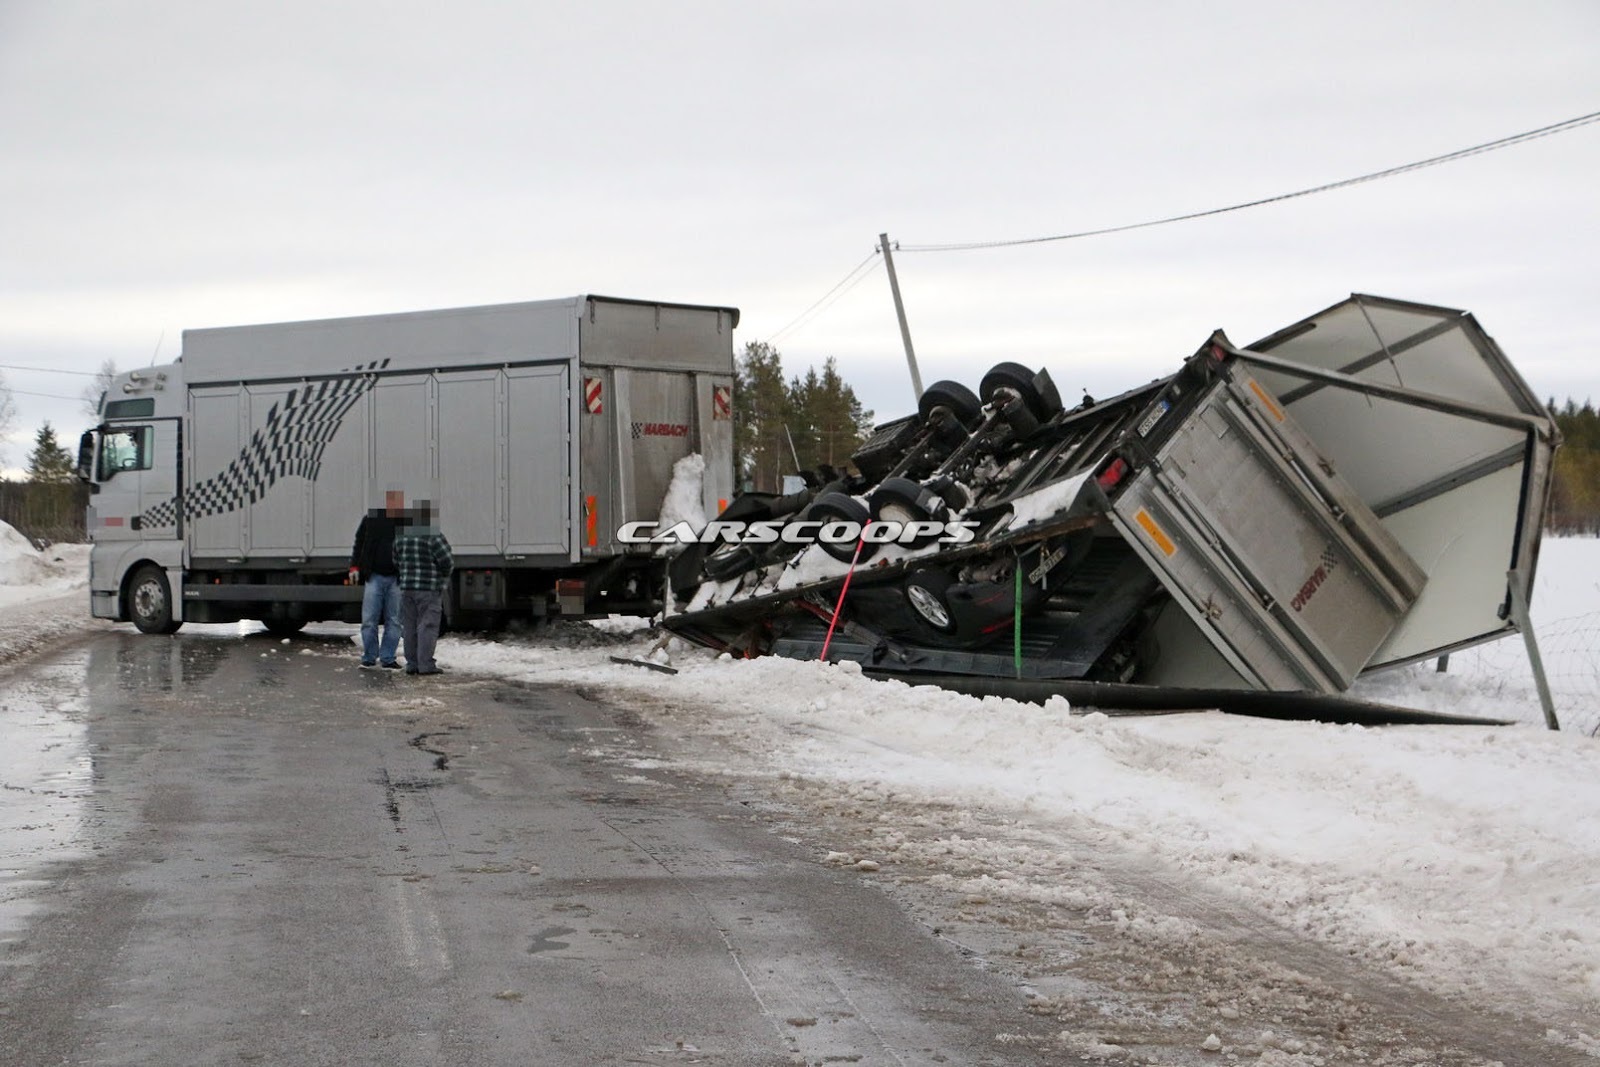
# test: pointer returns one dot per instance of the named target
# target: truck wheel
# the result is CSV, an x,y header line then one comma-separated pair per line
x,y
283,627
926,593
729,561
1042,399
150,601
905,501
956,398
838,507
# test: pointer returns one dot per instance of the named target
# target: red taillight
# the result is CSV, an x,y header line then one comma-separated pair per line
x,y
1109,478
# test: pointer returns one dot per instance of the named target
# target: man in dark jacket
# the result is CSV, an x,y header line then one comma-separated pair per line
x,y
372,562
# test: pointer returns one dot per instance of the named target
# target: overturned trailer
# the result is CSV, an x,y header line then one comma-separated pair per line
x,y
1362,489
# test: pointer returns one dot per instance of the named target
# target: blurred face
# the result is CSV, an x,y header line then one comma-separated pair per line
x,y
394,504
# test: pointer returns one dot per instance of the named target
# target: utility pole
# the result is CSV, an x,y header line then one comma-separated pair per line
x,y
900,312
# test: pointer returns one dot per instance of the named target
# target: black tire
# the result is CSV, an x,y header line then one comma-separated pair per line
x,y
954,397
1036,390
283,627
727,560
926,595
150,601
832,507
903,500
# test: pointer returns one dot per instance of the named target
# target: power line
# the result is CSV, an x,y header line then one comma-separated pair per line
x,y
1449,157
842,286
46,396
49,370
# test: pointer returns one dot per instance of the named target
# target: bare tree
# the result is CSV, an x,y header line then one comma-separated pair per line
x,y
8,415
98,388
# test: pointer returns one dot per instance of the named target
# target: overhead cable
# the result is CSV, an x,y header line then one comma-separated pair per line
x,y
1449,157
844,285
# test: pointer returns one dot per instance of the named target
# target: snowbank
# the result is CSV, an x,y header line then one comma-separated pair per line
x,y
28,575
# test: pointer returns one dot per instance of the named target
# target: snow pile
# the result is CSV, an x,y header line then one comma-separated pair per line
x,y
685,494
26,574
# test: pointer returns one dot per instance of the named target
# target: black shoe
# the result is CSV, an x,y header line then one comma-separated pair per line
x,y
411,670
368,664
436,670
391,665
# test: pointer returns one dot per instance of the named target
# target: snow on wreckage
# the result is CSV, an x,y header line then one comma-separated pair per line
x,y
1360,490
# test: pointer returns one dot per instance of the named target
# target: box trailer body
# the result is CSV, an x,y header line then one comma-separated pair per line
x,y
1359,490
238,475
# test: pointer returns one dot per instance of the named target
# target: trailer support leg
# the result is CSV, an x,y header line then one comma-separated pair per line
x,y
1519,614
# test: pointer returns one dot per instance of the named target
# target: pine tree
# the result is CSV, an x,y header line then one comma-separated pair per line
x,y
49,463
761,406
827,420
1575,489
787,427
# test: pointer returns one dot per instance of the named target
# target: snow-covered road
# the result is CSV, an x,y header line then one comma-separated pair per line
x,y
1457,863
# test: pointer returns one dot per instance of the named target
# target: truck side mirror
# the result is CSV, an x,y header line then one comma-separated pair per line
x,y
86,456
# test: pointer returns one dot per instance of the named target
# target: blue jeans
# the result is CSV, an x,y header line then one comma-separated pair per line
x,y
380,602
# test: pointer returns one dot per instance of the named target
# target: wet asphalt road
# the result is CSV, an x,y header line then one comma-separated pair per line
x,y
219,849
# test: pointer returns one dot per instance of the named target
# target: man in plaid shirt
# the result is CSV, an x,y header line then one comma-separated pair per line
x,y
422,557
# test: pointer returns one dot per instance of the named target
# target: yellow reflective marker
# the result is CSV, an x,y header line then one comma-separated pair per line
x,y
1272,405
1157,534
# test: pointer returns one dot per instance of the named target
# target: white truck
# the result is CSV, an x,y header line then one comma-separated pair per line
x,y
228,485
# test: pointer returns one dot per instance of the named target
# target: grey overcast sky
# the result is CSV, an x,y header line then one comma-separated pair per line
x,y
168,164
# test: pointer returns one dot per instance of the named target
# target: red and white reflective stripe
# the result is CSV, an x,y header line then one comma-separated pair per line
x,y
722,402
592,402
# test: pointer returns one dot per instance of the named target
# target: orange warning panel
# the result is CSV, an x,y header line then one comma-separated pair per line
x,y
1157,534
591,510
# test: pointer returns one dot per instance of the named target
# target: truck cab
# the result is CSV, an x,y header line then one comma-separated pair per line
x,y
131,462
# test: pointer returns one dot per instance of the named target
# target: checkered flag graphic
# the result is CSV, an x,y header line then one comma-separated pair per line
x,y
290,442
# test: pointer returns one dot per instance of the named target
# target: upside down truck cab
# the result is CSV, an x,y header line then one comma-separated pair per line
x,y
228,485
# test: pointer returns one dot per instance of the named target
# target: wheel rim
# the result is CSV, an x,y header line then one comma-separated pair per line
x,y
894,512
148,600
927,605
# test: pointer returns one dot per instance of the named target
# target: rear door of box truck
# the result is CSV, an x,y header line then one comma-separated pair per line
x,y
657,386
1273,558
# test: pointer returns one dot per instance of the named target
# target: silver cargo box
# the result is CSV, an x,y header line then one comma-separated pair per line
x,y
538,428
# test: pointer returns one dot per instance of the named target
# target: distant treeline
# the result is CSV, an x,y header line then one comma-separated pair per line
x,y
44,512
1575,500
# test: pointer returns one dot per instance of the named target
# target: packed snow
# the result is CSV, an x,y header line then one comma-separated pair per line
x,y
43,592
1461,860
29,574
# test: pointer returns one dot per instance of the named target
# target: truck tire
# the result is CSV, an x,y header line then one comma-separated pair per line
x,y
1044,402
839,507
729,560
956,398
150,601
283,627
903,500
